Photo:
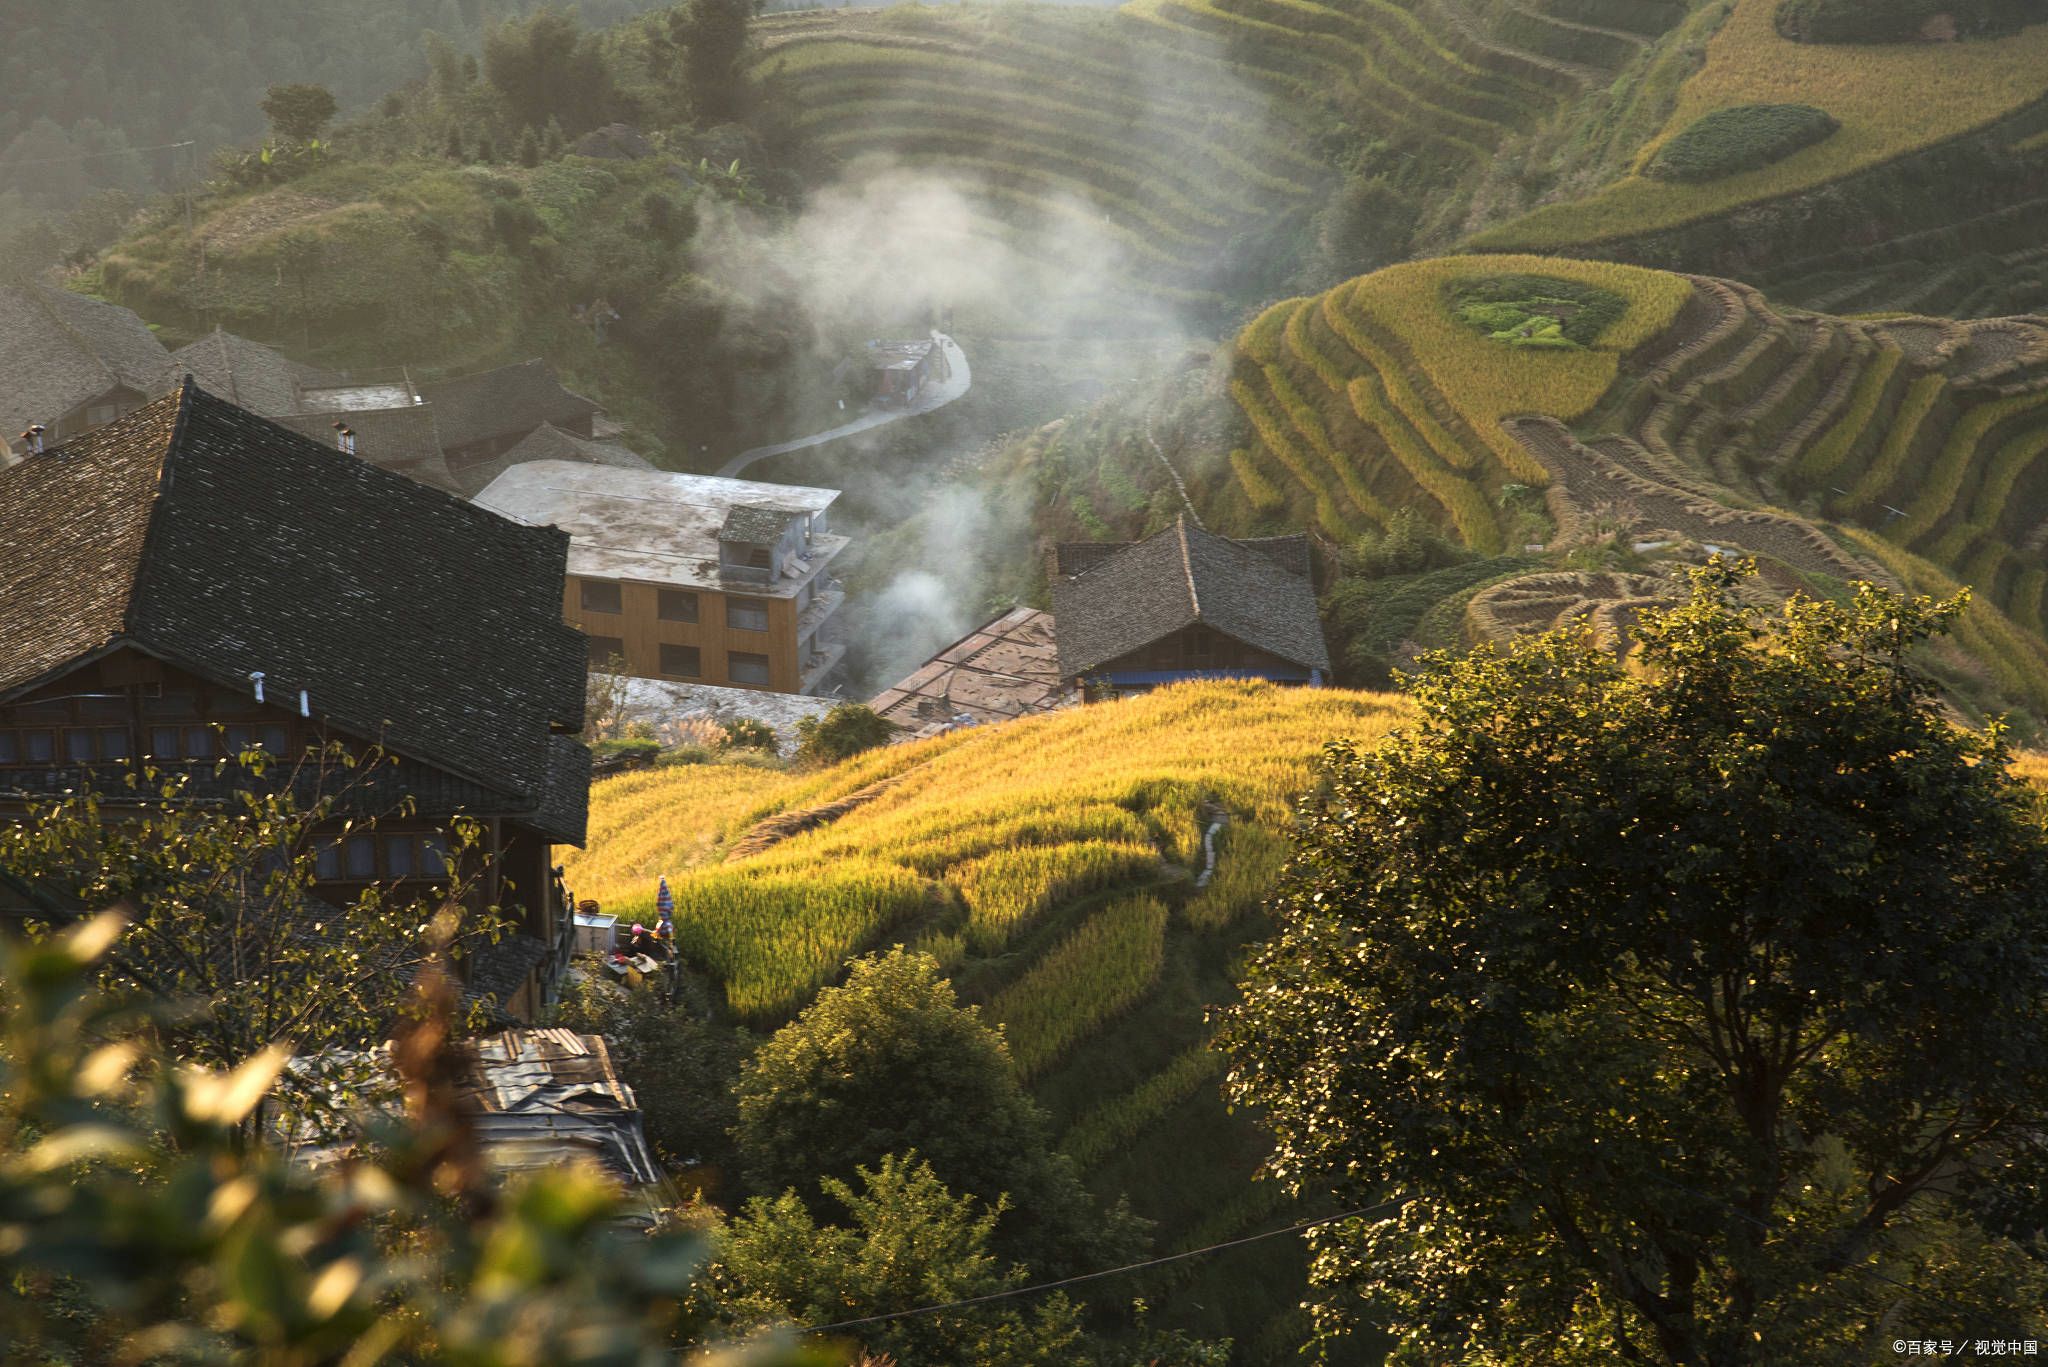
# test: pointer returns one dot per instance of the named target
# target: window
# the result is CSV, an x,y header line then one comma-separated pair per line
x,y
114,743
681,662
39,747
398,860
78,747
746,614
678,605
606,651
10,748
434,857
163,742
100,413
275,739
198,742
747,669
760,558
599,595
239,738
327,861
360,856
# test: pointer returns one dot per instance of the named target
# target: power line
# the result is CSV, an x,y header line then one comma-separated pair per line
x,y
89,156
1097,1276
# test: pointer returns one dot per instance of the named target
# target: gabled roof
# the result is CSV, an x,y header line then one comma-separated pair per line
x,y
59,349
510,401
548,442
261,379
225,544
403,440
1139,592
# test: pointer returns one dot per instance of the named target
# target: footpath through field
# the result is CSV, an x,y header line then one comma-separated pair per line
x,y
934,396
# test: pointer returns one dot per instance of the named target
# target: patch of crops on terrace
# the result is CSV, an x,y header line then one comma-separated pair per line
x,y
1118,1121
1532,310
1085,980
1747,137
1429,388
1889,101
1086,800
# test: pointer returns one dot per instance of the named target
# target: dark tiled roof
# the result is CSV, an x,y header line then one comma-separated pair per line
x,y
403,440
548,442
498,971
754,525
259,378
226,544
58,349
511,401
1148,589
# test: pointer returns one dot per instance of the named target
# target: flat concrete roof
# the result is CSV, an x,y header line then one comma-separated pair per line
x,y
359,398
652,526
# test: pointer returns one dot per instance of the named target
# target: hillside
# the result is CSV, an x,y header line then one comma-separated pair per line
x,y
1053,865
1693,413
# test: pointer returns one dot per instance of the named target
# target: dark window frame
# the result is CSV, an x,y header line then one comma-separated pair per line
x,y
735,605
737,658
696,657
686,604
608,589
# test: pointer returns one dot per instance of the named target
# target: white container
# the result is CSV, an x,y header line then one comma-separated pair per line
x,y
596,932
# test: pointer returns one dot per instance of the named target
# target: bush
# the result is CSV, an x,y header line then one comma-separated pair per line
x,y
1745,138
842,733
1899,21
749,734
1537,310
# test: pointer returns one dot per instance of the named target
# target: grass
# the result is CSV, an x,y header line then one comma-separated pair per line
x,y
1955,88
1123,1118
1088,978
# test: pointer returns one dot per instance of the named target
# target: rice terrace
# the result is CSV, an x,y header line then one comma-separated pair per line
x,y
1024,683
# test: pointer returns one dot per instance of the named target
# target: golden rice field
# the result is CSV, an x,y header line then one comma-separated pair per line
x,y
1890,100
982,834
1374,396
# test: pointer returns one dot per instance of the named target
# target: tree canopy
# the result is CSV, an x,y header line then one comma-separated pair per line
x,y
299,112
1684,1008
891,1062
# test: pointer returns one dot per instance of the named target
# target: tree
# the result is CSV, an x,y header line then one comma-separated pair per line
x,y
142,1226
891,1062
712,36
223,908
907,1242
529,147
842,733
553,142
545,68
1683,1010
298,113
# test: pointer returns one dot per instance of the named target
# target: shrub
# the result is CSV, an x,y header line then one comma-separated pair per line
x,y
747,733
842,733
1537,310
1899,21
1745,138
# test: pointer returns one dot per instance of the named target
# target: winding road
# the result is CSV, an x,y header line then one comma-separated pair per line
x,y
934,396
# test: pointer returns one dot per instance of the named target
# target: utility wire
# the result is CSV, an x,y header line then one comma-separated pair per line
x,y
1096,1276
89,156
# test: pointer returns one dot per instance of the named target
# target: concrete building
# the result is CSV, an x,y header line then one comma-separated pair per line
x,y
690,577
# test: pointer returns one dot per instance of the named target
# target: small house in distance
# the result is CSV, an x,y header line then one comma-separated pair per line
x,y
69,363
1186,604
899,371
193,581
691,578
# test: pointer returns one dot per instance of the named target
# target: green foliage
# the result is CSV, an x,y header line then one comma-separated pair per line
x,y
1899,21
143,1227
528,151
1744,138
224,913
1537,311
1092,976
546,68
906,1241
1638,984
1372,622
746,733
712,37
891,1062
842,733
1118,1121
298,112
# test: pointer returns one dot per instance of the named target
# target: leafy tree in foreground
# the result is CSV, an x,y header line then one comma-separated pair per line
x,y
909,1242
141,1227
891,1062
1690,1008
224,912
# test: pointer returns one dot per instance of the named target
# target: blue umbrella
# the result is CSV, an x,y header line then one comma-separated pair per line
x,y
664,901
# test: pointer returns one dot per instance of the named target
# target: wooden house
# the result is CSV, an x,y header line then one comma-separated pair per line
x,y
193,580
1186,604
69,363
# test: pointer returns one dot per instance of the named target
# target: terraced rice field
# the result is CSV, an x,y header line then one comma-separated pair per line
x,y
1174,129
1707,416
1955,88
